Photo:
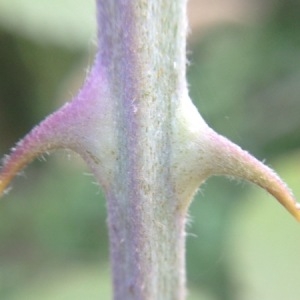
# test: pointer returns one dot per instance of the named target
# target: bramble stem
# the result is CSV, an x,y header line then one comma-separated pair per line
x,y
142,48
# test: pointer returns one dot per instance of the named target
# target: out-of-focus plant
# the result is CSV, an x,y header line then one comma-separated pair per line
x,y
137,129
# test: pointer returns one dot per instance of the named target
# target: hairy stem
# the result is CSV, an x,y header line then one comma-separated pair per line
x,y
146,143
142,48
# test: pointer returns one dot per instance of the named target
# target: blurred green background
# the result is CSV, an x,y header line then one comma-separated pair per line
x,y
244,76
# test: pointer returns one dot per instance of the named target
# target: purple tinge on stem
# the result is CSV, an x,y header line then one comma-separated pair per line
x,y
230,160
44,137
74,126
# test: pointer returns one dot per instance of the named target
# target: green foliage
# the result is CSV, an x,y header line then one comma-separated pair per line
x,y
53,235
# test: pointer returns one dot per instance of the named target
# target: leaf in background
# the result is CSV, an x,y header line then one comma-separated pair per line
x,y
51,21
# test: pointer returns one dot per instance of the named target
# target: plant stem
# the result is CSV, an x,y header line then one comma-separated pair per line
x,y
146,143
142,50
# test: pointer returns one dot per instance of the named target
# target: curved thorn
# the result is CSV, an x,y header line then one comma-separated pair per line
x,y
66,128
40,139
230,159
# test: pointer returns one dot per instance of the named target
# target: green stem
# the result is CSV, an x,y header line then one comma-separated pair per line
x,y
146,67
